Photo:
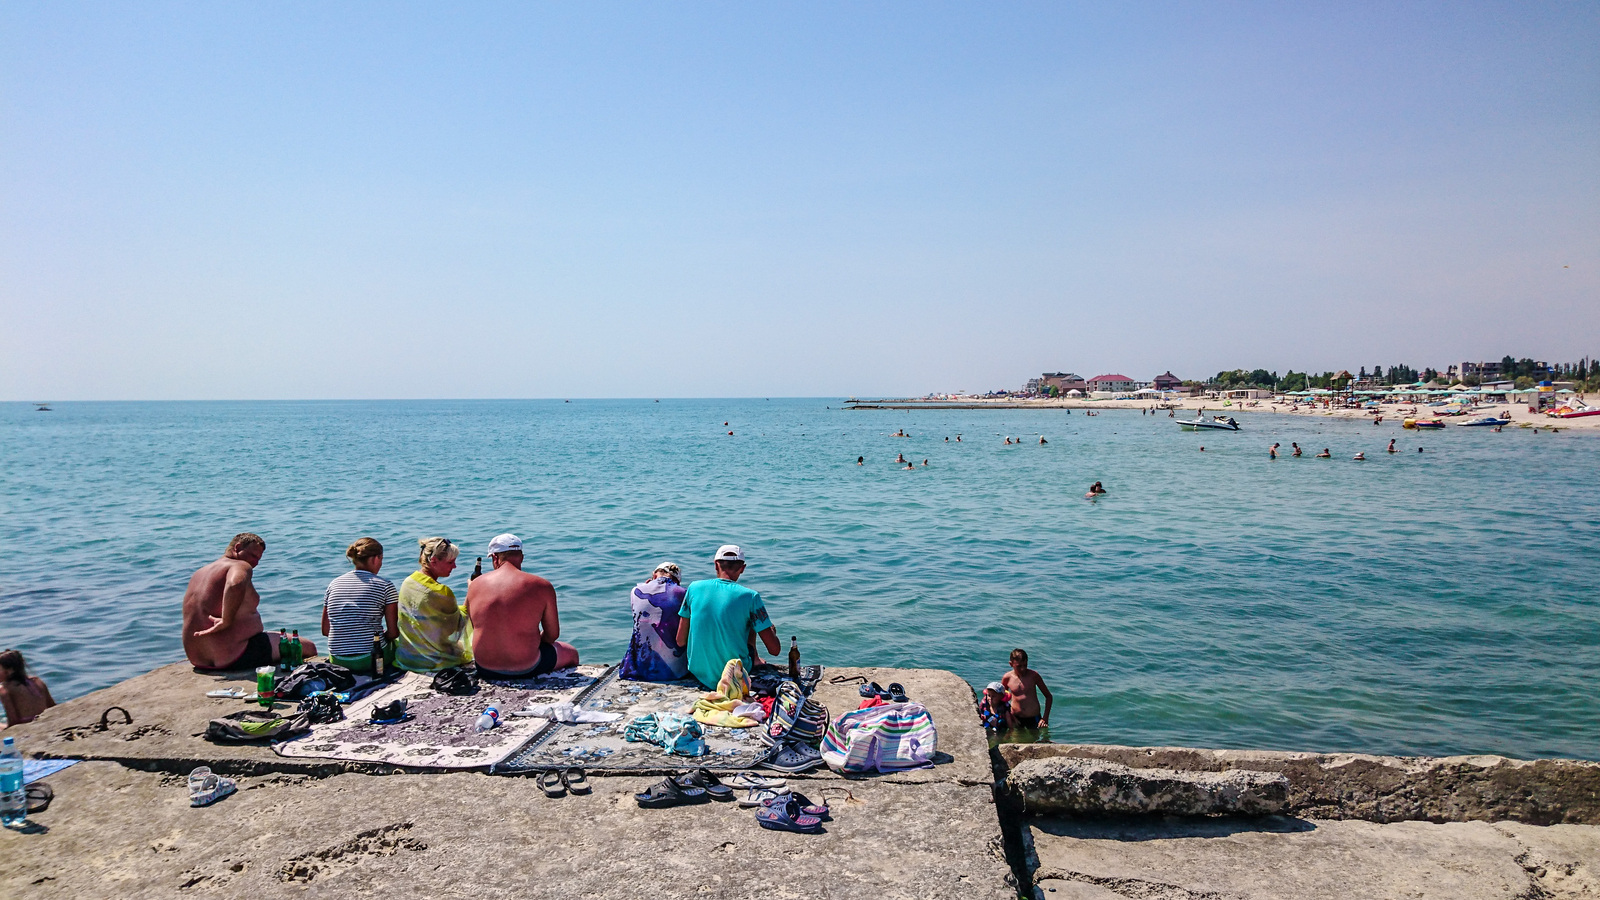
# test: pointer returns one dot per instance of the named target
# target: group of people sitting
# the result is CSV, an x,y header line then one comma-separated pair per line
x,y
509,626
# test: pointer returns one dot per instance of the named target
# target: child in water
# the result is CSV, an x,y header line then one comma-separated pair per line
x,y
992,709
1025,685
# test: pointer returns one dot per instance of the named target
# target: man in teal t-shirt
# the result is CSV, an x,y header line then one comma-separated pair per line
x,y
718,617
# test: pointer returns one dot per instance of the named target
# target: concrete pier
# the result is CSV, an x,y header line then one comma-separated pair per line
x,y
1347,825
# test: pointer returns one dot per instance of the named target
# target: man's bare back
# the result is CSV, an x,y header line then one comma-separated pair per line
x,y
220,612
513,613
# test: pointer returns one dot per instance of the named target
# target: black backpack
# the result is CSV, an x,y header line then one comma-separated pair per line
x,y
458,681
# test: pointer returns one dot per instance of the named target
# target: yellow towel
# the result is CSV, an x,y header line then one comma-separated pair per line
x,y
708,711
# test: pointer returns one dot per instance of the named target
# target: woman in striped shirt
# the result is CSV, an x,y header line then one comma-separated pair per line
x,y
358,606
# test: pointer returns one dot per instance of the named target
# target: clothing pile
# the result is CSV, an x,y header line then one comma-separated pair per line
x,y
675,733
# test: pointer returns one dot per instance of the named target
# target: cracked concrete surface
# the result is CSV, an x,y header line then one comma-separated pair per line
x,y
1303,859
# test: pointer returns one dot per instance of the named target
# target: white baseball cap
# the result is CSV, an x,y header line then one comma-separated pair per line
x,y
505,543
729,553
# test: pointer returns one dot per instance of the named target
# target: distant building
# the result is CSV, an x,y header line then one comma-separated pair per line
x,y
1490,371
1167,382
1113,383
1062,382
1032,387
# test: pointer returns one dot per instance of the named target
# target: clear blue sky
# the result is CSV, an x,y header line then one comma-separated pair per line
x,y
231,200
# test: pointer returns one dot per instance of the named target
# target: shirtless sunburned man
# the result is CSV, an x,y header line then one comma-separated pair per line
x,y
221,623
515,623
1024,686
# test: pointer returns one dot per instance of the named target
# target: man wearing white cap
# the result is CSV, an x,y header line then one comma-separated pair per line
x,y
718,617
515,624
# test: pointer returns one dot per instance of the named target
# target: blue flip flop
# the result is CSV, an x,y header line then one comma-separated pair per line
x,y
897,694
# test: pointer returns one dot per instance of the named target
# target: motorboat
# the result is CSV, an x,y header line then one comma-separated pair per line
x,y
1215,423
1485,420
1422,423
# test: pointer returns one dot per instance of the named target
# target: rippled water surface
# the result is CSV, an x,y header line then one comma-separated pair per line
x,y
1440,602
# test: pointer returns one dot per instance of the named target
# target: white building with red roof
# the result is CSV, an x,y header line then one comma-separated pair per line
x,y
1113,383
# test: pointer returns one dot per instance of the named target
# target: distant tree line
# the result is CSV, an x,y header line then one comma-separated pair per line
x,y
1525,372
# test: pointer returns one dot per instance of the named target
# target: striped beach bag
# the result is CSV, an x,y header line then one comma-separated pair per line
x,y
881,739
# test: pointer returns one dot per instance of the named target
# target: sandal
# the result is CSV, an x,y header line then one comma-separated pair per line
x,y
795,758
819,810
105,718
762,796
703,779
39,796
211,788
668,793
745,780
897,693
786,816
553,783
870,690
576,780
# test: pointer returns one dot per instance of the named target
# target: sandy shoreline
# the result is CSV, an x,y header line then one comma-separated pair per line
x,y
1393,413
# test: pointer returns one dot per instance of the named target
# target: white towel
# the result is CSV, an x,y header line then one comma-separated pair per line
x,y
565,713
751,711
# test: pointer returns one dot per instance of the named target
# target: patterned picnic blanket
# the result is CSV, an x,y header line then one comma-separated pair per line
x,y
601,747
440,733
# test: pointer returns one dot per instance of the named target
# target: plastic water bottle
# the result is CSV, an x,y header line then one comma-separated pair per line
x,y
13,800
489,719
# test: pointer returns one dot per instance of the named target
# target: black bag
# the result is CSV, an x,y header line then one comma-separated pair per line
x,y
322,707
458,681
256,725
313,677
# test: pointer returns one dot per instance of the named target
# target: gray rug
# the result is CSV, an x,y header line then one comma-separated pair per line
x,y
440,735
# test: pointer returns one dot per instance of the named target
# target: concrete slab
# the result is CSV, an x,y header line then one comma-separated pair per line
x,y
1299,859
1379,788
117,832
170,712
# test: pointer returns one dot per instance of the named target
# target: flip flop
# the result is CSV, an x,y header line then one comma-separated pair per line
x,y
390,713
703,779
39,796
746,780
762,796
786,816
669,793
553,783
870,690
212,788
576,780
897,693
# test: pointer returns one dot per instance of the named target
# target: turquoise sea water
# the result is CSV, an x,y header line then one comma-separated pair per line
x,y
1441,602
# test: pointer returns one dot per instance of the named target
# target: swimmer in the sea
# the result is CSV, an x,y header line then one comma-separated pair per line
x,y
909,467
1296,448
899,457
1324,454
1391,446
1095,490
1359,456
1419,449
1008,439
958,438
1272,452
861,460
924,463
947,439
1042,440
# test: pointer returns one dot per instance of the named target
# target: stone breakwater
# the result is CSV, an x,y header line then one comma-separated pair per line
x,y
1049,821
